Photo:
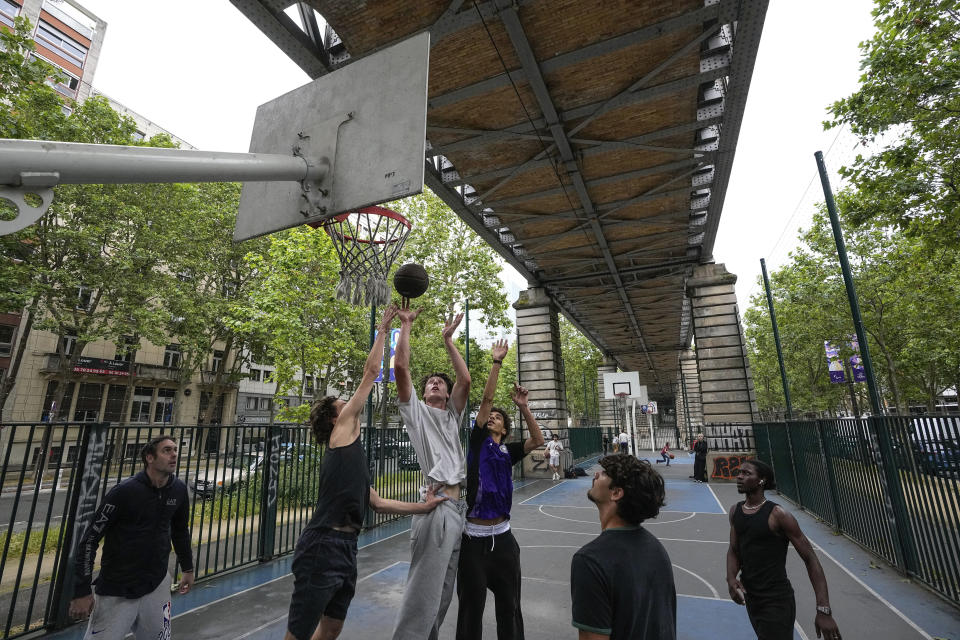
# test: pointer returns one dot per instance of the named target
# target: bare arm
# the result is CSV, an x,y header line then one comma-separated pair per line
x,y
461,388
498,352
401,362
347,427
535,440
386,505
733,565
788,526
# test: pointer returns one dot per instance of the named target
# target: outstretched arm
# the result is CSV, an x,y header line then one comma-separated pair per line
x,y
788,525
401,361
386,505
461,387
535,440
347,427
498,352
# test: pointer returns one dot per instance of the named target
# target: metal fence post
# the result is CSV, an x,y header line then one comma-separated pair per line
x,y
793,463
84,489
831,477
895,503
268,494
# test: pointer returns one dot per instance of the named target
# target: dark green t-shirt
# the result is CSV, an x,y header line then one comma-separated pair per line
x,y
622,586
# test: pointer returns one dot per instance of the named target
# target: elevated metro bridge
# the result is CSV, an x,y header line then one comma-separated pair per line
x,y
588,142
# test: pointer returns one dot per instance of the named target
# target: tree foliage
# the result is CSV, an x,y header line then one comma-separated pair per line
x,y
907,111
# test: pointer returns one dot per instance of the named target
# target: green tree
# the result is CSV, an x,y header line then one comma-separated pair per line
x,y
580,362
908,107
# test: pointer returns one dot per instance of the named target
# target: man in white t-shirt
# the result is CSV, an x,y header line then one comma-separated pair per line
x,y
624,442
433,425
554,447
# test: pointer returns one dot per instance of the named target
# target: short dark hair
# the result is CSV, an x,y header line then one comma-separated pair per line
x,y
643,489
322,414
764,472
438,374
150,449
507,420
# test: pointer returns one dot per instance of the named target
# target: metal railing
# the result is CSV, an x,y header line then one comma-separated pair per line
x,y
891,484
253,488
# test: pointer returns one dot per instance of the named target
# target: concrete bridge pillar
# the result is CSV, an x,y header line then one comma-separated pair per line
x,y
726,384
540,369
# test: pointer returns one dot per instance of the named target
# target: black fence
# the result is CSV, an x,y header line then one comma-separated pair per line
x,y
252,489
891,484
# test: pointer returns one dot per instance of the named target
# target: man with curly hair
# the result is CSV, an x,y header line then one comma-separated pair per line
x,y
622,582
325,559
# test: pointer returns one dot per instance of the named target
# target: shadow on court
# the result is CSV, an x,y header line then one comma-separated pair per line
x,y
551,520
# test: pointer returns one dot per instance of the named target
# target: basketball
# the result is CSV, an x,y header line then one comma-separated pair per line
x,y
411,280
671,456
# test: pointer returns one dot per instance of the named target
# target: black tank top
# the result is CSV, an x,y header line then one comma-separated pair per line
x,y
763,553
344,491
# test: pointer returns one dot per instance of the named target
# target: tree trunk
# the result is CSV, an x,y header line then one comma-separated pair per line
x,y
7,386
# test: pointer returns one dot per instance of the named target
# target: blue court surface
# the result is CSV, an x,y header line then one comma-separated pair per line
x,y
682,495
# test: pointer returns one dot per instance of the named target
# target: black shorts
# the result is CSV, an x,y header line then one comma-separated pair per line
x,y
772,617
324,579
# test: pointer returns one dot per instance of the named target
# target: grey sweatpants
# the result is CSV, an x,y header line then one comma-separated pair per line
x,y
147,617
435,552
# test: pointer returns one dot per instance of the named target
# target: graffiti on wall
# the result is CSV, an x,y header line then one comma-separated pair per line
x,y
727,467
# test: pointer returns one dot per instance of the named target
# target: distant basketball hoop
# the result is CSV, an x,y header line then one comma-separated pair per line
x,y
367,242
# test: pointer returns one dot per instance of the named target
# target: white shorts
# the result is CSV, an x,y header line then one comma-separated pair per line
x,y
147,617
555,460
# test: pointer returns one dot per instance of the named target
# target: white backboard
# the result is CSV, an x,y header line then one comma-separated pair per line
x,y
369,118
624,382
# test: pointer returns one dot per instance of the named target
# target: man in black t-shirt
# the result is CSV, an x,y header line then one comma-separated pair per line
x,y
622,582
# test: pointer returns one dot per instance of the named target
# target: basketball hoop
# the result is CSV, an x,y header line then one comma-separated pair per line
x,y
367,242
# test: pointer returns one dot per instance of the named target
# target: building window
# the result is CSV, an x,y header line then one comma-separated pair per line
x,y
84,298
87,408
66,85
140,411
127,349
138,135
7,333
308,383
266,404
52,413
217,360
71,16
251,403
68,342
254,375
171,356
113,411
70,48
163,410
8,11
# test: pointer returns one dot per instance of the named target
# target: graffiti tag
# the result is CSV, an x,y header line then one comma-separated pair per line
x,y
727,467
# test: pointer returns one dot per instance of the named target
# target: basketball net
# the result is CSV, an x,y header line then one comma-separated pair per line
x,y
367,242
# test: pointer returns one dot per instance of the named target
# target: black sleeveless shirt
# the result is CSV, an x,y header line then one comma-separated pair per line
x,y
763,553
344,491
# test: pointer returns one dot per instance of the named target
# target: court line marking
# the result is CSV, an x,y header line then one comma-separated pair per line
x,y
266,625
799,629
580,506
720,504
692,514
542,492
876,595
700,578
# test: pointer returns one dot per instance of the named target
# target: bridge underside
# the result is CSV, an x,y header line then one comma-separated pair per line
x,y
589,142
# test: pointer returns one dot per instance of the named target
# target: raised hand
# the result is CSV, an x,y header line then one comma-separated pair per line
x,y
405,313
388,315
450,326
519,395
499,350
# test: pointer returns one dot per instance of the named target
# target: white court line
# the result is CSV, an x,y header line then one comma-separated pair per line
x,y
876,595
542,492
574,533
700,578
803,636
697,541
595,522
276,620
580,506
720,504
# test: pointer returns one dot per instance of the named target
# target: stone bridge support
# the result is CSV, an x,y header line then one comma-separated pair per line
x,y
540,370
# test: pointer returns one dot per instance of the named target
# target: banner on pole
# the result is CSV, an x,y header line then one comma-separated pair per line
x,y
856,365
834,363
394,336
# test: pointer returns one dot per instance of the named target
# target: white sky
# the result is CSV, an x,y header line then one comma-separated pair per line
x,y
200,69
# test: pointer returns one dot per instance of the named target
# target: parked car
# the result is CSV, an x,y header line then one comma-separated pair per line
x,y
407,457
228,476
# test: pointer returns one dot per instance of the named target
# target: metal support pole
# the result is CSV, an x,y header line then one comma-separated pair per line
x,y
584,412
373,337
776,339
875,405
466,341
43,163
896,508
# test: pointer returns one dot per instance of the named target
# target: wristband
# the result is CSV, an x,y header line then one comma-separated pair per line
x,y
498,362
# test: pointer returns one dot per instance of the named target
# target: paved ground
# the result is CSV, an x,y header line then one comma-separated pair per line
x,y
551,521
